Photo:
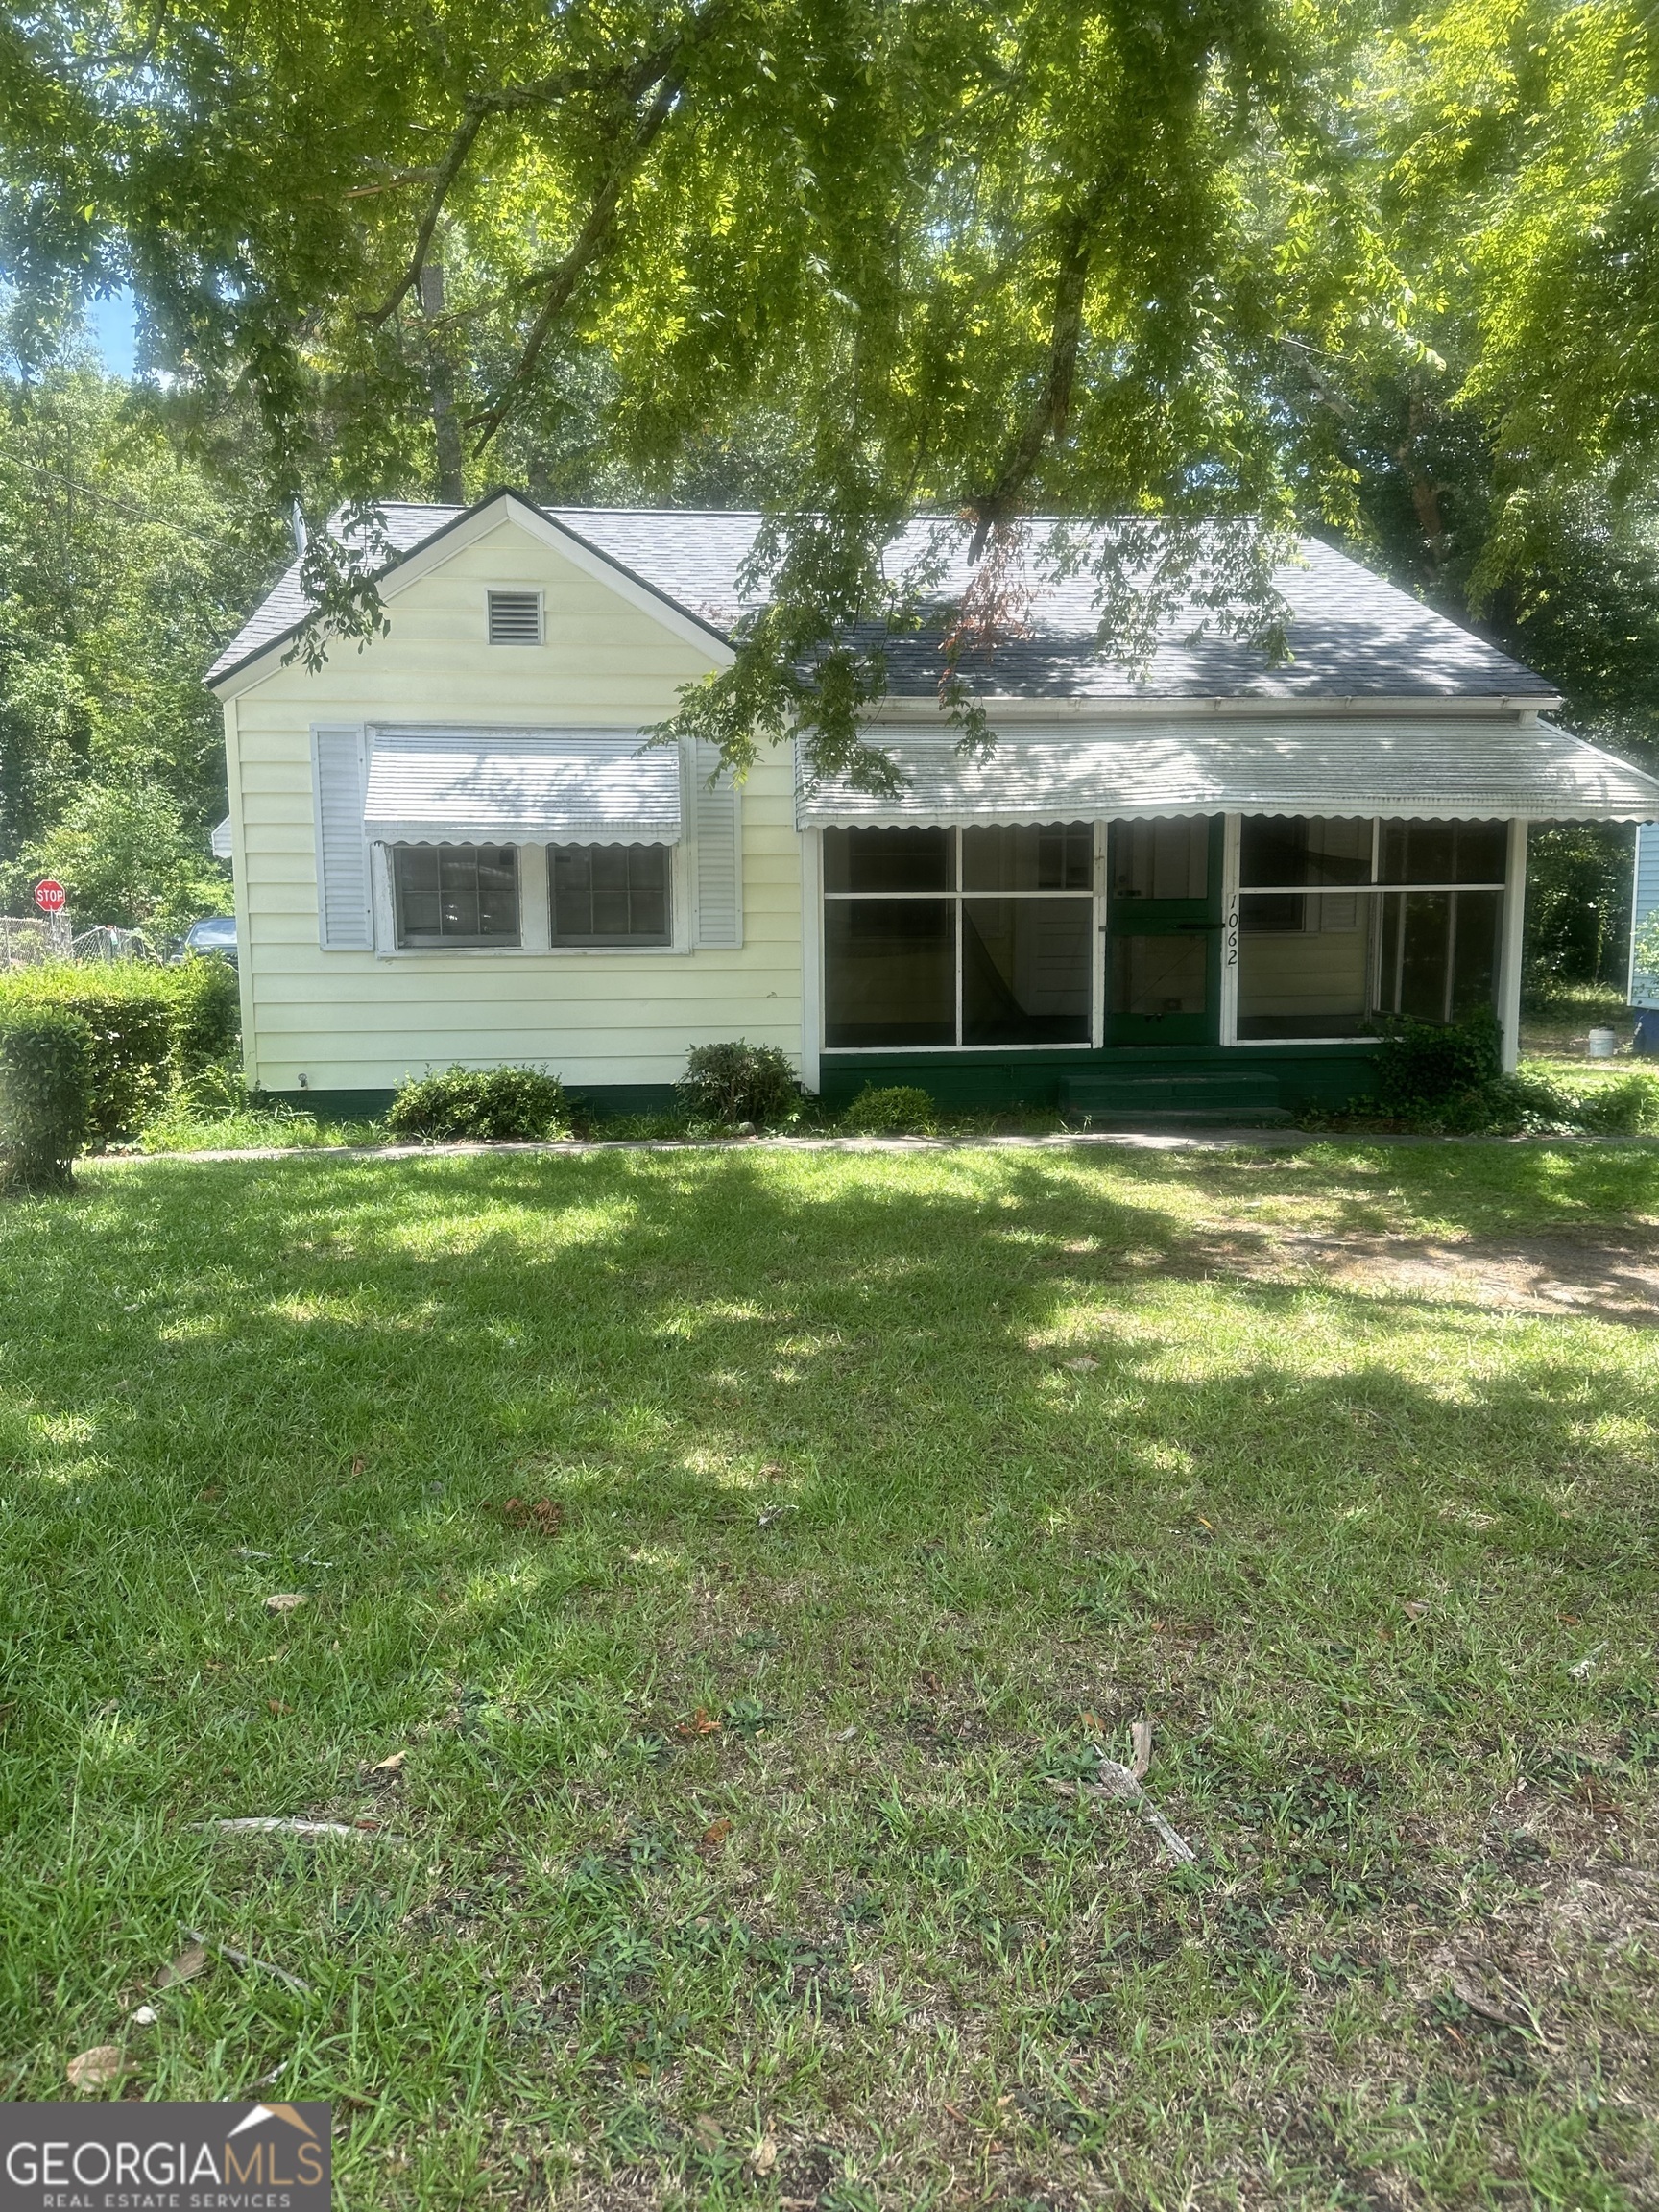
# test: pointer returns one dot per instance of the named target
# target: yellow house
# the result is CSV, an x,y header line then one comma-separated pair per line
x,y
1200,888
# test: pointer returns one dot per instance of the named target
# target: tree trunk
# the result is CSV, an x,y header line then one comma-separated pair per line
x,y
441,387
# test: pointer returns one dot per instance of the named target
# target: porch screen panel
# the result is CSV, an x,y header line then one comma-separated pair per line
x,y
889,972
916,957
1416,933
1025,971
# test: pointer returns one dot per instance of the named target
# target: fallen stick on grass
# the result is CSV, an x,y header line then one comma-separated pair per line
x,y
268,1825
1118,1782
253,1966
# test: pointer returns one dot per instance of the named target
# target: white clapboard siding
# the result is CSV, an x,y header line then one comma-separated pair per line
x,y
596,1017
719,835
344,922
1645,987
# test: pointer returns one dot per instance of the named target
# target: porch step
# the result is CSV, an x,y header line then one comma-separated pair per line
x,y
1205,1097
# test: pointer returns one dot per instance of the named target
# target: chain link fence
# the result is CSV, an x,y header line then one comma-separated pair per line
x,y
25,939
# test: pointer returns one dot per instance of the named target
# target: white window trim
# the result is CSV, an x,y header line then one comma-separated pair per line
x,y
520,592
535,916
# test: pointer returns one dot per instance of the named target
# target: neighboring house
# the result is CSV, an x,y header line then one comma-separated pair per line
x,y
1644,985
1198,892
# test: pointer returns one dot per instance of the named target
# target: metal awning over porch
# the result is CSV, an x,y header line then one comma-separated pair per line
x,y
521,787
1450,766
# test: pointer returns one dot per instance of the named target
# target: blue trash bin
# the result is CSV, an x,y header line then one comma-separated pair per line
x,y
1647,1038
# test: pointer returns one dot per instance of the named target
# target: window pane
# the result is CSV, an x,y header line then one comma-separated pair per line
x,y
889,972
648,891
498,891
414,880
1295,849
887,860
1475,955
1057,857
1439,957
458,890
1161,859
610,893
1025,971
572,874
456,894
1159,974
1443,851
1304,965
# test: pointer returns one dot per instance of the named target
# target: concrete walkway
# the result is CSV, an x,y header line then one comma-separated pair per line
x,y
1126,1140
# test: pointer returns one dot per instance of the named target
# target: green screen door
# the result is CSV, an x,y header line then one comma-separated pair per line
x,y
1164,930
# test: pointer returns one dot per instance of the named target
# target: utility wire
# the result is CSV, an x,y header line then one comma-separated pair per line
x,y
109,499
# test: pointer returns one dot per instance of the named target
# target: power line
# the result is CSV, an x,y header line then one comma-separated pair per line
x,y
74,484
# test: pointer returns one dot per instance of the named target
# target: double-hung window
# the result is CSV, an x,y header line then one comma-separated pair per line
x,y
1345,922
958,937
455,897
610,894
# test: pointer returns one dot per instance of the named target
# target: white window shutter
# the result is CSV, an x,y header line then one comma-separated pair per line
x,y
716,820
344,922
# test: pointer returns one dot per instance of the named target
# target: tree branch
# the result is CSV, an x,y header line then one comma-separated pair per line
x,y
634,79
1048,418
561,279
449,169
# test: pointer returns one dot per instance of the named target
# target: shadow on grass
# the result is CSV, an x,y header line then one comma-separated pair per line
x,y
930,1450
874,1354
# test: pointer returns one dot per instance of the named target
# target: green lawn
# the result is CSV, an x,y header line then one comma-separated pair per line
x,y
737,1853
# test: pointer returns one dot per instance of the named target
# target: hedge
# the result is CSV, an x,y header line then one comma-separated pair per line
x,y
45,1085
150,1027
462,1105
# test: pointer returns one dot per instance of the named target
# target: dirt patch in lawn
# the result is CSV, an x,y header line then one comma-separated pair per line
x,y
1612,1281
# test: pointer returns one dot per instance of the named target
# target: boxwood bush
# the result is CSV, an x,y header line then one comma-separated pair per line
x,y
739,1082
151,1028
462,1105
45,1092
892,1110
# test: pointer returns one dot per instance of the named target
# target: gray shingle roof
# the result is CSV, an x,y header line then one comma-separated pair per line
x,y
1352,635
1422,764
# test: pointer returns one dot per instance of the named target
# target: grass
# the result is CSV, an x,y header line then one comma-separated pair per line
x,y
741,1554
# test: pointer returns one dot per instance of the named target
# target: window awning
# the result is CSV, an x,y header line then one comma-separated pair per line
x,y
1435,765
521,788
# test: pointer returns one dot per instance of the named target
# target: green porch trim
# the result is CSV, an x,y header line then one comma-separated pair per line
x,y
603,1100
1272,1080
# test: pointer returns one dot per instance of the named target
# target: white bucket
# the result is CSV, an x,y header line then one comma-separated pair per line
x,y
1603,1044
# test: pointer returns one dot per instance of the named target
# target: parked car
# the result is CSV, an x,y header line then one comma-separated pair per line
x,y
213,933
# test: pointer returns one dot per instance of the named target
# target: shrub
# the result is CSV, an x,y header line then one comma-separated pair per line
x,y
151,1028
45,1087
207,1013
1429,1069
1627,1107
894,1109
460,1105
740,1082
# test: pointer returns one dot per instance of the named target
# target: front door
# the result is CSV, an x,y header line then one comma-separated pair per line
x,y
1164,930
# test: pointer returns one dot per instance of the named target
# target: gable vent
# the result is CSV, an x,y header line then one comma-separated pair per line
x,y
515,617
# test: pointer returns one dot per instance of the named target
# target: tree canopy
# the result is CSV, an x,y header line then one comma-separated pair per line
x,y
1214,268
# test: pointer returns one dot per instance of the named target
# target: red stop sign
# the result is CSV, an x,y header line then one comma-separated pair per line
x,y
50,894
